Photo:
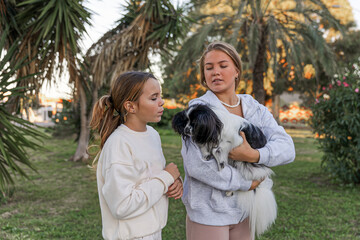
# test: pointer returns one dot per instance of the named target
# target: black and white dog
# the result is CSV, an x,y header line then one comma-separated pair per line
x,y
217,132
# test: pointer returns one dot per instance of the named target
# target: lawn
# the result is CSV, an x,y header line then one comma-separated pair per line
x,y
61,202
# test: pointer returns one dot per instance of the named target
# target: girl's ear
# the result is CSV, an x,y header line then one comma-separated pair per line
x,y
237,74
130,106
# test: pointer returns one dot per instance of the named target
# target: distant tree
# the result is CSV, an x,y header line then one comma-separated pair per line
x,y
264,33
49,33
347,49
148,27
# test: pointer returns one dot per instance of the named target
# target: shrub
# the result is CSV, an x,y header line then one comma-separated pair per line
x,y
336,120
67,122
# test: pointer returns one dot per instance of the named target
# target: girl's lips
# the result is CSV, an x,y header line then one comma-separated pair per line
x,y
217,79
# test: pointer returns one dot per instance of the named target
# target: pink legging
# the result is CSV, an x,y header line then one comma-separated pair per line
x,y
196,231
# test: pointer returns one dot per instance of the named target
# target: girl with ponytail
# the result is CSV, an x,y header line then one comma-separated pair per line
x,y
133,182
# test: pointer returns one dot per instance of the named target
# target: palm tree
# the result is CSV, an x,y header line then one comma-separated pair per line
x,y
50,33
151,26
16,135
264,32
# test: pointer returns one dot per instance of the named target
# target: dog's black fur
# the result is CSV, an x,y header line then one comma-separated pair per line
x,y
202,124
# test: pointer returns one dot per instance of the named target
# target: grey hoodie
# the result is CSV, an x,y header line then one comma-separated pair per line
x,y
205,186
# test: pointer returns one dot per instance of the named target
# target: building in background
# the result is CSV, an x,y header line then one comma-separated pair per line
x,y
45,114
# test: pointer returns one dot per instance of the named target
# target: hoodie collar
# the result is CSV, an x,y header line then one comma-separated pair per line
x,y
247,103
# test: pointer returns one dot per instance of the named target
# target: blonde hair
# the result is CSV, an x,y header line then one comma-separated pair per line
x,y
109,111
227,49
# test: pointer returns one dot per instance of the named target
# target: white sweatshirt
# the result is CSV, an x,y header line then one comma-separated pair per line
x,y
131,183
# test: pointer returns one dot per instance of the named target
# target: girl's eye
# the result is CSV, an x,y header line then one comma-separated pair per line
x,y
209,69
223,66
154,99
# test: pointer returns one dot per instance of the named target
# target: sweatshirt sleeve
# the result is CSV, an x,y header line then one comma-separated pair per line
x,y
125,196
280,148
206,171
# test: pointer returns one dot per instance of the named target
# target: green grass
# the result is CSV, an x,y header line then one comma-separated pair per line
x,y
61,201
311,206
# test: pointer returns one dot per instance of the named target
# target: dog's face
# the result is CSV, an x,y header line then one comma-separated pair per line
x,y
200,123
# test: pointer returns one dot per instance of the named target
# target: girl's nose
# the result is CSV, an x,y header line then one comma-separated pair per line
x,y
162,102
215,71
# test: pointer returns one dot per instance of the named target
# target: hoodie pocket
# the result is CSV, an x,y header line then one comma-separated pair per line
x,y
219,201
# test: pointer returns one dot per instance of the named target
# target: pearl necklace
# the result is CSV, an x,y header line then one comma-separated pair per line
x,y
231,106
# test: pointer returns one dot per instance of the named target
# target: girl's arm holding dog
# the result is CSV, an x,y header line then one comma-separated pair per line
x,y
206,171
278,150
245,152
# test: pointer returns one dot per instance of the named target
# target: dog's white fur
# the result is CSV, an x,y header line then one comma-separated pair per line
x,y
259,204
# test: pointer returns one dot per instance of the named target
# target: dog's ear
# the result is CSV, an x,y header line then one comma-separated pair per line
x,y
254,136
179,122
207,126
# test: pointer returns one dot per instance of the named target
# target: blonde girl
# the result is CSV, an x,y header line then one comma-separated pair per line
x,y
211,214
133,182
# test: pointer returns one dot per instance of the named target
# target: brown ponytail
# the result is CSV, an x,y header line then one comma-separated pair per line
x,y
109,111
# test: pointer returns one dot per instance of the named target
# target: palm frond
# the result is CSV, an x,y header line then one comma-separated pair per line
x,y
148,25
16,135
50,32
263,24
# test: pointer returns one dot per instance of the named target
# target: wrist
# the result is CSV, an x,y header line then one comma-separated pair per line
x,y
254,184
254,157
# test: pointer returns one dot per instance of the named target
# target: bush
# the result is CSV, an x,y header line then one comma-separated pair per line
x,y
336,120
67,122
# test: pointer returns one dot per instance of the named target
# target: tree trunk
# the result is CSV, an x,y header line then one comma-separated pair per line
x,y
276,107
259,68
81,151
95,96
12,104
27,112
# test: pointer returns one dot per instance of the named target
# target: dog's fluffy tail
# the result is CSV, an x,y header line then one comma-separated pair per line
x,y
264,211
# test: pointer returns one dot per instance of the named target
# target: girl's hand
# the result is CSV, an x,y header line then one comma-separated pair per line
x,y
255,184
175,190
244,152
173,170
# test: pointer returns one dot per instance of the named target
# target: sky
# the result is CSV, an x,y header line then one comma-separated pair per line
x,y
355,4
105,14
104,17
108,12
